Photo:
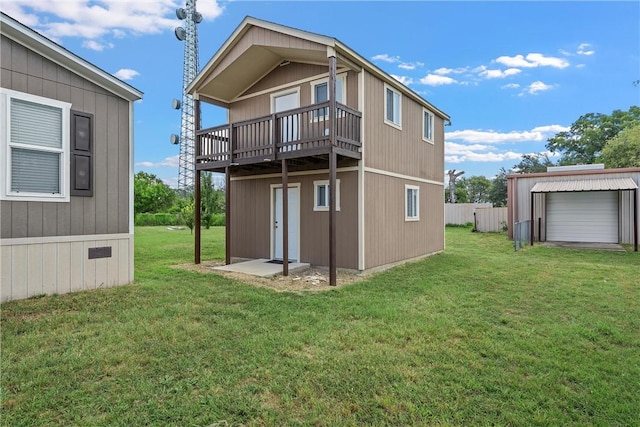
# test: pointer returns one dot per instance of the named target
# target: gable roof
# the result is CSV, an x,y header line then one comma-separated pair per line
x,y
259,60
36,42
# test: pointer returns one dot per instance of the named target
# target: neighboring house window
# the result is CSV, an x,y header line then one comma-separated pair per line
x,y
321,195
320,93
427,126
412,203
392,107
34,147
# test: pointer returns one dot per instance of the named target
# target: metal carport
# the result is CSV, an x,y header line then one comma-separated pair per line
x,y
589,185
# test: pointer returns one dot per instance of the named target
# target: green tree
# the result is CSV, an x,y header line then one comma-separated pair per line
x,y
498,191
151,195
532,163
212,200
584,141
187,213
478,188
461,194
622,151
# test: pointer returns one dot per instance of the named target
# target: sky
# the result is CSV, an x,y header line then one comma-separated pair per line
x,y
510,74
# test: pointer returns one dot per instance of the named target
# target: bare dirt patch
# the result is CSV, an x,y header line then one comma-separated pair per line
x,y
309,280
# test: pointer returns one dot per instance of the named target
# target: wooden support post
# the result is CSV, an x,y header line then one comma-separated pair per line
x,y
333,160
227,215
197,193
285,218
197,213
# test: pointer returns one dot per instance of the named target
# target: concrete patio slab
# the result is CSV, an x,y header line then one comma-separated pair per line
x,y
585,245
261,267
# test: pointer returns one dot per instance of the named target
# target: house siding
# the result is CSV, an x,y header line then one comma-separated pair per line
x,y
288,78
251,219
400,151
520,203
388,237
108,210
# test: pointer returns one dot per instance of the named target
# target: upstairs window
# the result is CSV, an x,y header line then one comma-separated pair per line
x,y
34,148
320,93
321,195
427,126
412,203
392,107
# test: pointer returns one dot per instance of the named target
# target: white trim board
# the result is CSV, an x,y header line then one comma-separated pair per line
x,y
401,176
64,239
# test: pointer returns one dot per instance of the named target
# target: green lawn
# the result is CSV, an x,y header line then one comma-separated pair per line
x,y
476,335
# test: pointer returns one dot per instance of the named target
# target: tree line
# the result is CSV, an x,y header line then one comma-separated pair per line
x,y
155,203
612,139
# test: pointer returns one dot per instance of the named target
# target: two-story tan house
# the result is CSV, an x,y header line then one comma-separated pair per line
x,y
362,155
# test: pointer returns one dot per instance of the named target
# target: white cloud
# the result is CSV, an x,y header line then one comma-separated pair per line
x,y
436,80
532,60
172,162
96,19
511,86
410,65
538,86
583,49
405,80
499,74
540,133
126,74
444,71
384,57
94,45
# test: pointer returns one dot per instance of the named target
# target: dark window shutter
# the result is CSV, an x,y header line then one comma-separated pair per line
x,y
81,154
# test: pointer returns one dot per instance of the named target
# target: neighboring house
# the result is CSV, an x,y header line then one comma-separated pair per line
x,y
377,140
66,162
585,203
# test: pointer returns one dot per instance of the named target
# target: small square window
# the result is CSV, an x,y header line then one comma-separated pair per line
x,y
427,126
393,107
412,203
321,195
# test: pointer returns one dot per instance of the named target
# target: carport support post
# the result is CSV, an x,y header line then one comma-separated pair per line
x,y
635,220
531,223
285,218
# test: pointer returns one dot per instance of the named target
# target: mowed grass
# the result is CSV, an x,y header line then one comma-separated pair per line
x,y
478,335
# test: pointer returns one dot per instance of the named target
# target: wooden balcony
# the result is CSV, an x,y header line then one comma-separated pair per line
x,y
293,134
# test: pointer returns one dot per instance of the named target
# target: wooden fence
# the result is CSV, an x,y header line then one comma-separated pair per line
x,y
486,218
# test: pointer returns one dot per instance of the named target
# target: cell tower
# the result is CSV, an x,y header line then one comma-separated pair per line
x,y
188,34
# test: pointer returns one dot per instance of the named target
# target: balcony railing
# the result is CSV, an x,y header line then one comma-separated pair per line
x,y
296,133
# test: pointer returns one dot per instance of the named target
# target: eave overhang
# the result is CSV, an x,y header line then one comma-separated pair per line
x,y
38,43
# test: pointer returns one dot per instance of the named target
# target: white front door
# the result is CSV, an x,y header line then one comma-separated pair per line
x,y
289,124
294,224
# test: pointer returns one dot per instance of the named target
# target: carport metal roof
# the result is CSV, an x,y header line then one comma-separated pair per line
x,y
601,184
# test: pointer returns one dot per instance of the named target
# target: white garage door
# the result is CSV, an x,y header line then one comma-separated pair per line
x,y
583,217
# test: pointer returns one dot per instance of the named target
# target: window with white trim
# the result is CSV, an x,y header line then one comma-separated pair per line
x,y
321,195
34,147
427,125
411,203
320,93
392,107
